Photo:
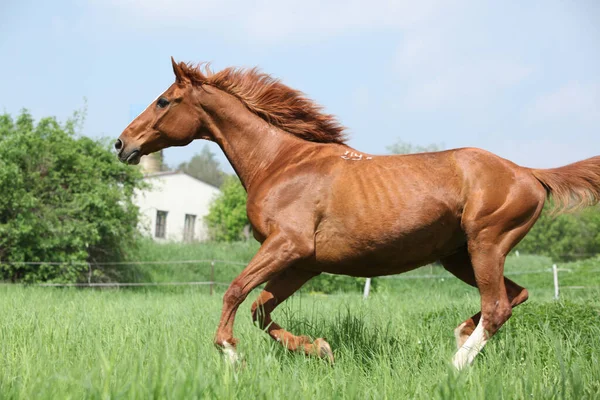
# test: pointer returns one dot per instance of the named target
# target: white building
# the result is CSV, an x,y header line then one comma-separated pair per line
x,y
174,206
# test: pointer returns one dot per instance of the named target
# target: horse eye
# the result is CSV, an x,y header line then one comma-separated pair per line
x,y
162,102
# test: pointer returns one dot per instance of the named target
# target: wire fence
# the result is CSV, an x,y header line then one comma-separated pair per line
x,y
212,282
131,284
91,265
554,271
100,264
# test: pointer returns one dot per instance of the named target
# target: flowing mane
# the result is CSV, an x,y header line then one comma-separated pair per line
x,y
276,103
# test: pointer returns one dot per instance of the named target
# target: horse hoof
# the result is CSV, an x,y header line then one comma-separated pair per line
x,y
230,354
460,361
323,350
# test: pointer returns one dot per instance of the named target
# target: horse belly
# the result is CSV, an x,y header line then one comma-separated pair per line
x,y
389,247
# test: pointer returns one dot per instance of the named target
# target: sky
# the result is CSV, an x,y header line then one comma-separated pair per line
x,y
520,79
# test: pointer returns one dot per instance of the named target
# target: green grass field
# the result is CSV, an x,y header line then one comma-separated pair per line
x,y
157,343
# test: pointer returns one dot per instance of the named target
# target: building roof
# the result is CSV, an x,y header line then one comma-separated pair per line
x,y
168,173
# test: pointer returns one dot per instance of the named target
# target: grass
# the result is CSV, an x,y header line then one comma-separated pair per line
x,y
240,252
149,343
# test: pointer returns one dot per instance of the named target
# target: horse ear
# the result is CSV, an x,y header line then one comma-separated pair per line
x,y
180,76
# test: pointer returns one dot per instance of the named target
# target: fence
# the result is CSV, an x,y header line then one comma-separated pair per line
x,y
212,283
554,271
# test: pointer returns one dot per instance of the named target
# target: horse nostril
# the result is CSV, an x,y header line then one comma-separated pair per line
x,y
118,145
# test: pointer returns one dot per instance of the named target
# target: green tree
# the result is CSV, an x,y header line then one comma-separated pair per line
x,y
227,216
401,147
204,166
564,237
63,198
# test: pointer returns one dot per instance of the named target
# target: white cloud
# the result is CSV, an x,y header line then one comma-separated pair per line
x,y
418,50
278,21
577,101
469,85
443,65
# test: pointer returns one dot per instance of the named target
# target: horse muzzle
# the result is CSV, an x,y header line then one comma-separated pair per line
x,y
127,156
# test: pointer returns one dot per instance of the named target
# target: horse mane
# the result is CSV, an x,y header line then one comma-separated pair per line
x,y
274,102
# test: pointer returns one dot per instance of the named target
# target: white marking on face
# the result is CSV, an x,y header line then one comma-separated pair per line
x,y
353,156
466,354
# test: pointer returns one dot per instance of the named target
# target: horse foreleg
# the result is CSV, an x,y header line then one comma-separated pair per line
x,y
276,292
277,253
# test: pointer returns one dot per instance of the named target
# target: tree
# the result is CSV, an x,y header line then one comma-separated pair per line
x,y
401,147
227,215
63,198
204,166
564,237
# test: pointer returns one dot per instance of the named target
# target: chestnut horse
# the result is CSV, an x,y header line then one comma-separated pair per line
x,y
317,205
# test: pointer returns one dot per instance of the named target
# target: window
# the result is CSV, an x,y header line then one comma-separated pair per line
x,y
188,227
161,224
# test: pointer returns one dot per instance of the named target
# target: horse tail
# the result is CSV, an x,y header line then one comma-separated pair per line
x,y
573,186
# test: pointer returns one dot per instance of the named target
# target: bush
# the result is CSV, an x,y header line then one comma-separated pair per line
x,y
63,198
326,283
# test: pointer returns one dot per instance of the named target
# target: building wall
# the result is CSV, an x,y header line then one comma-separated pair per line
x,y
178,194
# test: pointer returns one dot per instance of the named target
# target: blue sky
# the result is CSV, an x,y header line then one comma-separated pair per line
x,y
521,79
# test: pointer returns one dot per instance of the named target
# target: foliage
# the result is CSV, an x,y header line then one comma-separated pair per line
x,y
401,147
63,198
227,215
564,237
204,166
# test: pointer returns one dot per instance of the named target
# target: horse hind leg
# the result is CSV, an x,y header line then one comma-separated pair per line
x,y
488,268
516,295
276,292
493,226
459,264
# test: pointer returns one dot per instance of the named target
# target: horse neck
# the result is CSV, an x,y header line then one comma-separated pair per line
x,y
253,147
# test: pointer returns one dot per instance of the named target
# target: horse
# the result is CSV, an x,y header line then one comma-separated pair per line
x,y
317,205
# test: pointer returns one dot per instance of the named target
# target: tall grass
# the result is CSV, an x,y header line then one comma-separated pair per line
x,y
229,260
57,344
235,255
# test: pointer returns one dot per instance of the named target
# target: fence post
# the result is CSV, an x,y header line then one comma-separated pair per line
x,y
367,288
555,272
212,276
